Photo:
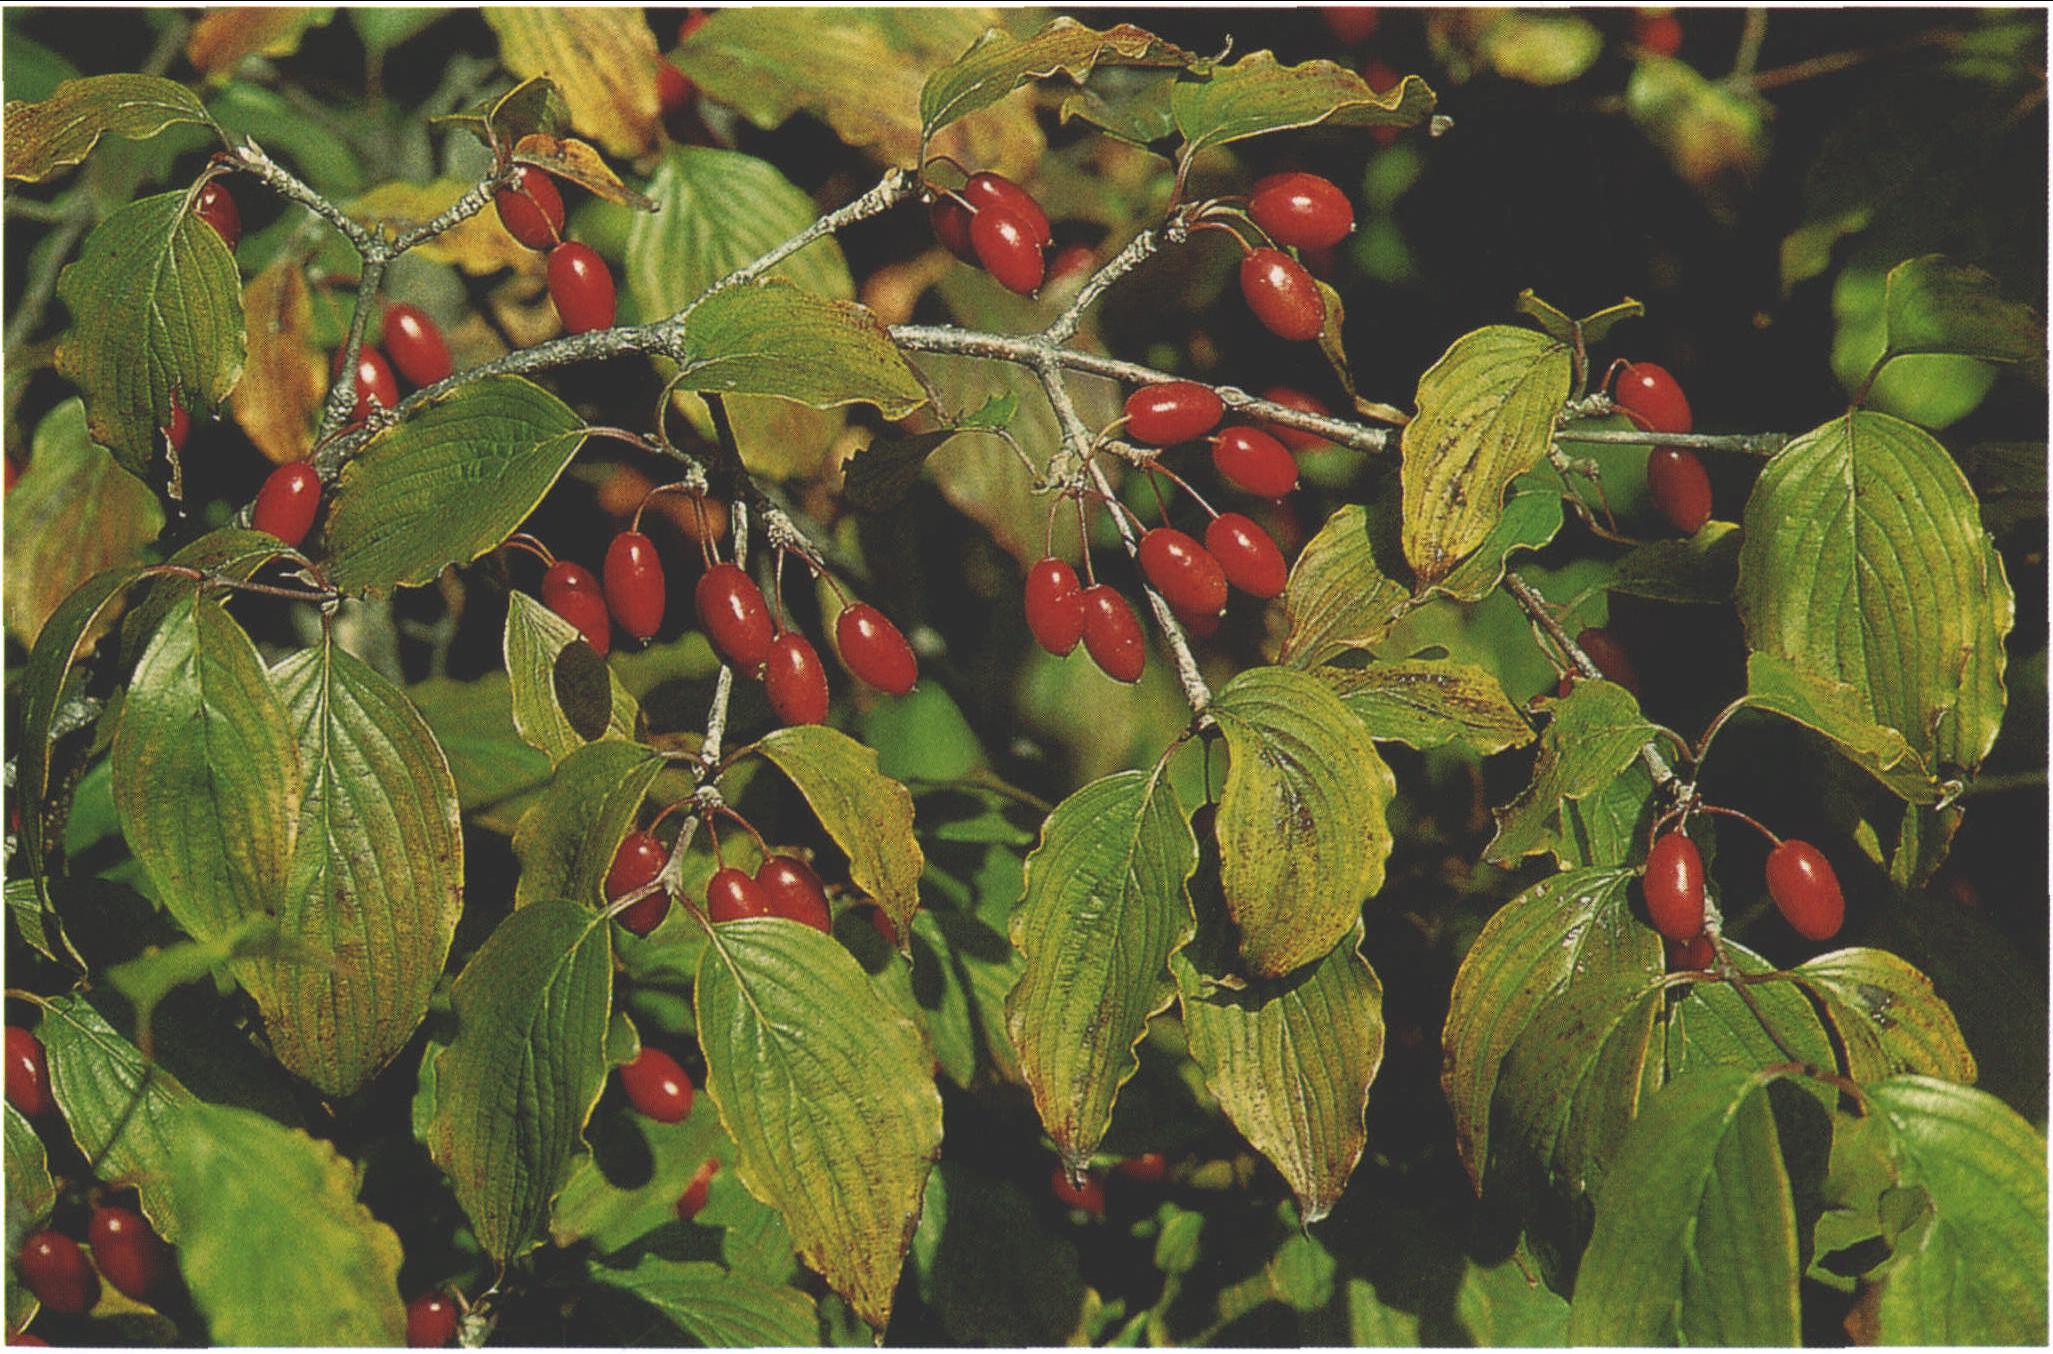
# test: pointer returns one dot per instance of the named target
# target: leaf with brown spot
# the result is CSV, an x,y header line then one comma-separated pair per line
x,y
284,377
574,160
603,61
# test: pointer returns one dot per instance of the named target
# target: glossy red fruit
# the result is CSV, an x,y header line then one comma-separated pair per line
x,y
1072,261
430,1321
1610,657
1183,571
995,190
126,1250
694,1197
1054,606
1282,295
180,426
1297,439
732,895
571,592
581,286
950,220
874,650
374,381
55,1270
795,681
1659,33
637,862
216,206
634,584
1246,555
1301,209
28,1074
1007,248
1674,886
1690,955
1172,411
1351,24
732,611
1681,489
532,209
673,88
1089,1196
1250,459
794,891
416,345
1652,397
1198,624
1805,890
1148,1167
1112,634
286,505
657,1086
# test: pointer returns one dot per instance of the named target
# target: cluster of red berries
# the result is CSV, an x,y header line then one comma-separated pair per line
x,y
580,284
1298,211
1088,1193
996,225
1800,881
660,1089
1651,398
782,886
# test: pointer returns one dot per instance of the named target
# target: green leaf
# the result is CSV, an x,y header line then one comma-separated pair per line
x,y
1574,928
1001,63
1887,1017
1713,1026
1487,411
827,1094
1531,518
377,873
1595,732
1865,563
1290,1059
1970,1266
717,210
449,483
1838,712
30,1195
1255,95
715,1307
1695,1241
877,478
869,815
1607,827
1429,703
1704,568
1340,595
234,553
1302,836
1540,49
384,27
602,60
153,975
277,1250
770,338
156,314
566,841
73,513
1934,305
1106,904
561,704
207,774
515,1086
62,130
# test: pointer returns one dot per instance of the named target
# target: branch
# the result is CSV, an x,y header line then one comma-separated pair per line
x,y
896,186
341,400
1138,250
251,159
1748,444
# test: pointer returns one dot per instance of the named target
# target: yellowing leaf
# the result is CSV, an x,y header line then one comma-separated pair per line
x,y
284,379
574,160
222,38
62,130
603,61
478,245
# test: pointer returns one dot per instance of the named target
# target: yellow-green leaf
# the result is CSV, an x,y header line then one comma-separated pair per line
x,y
770,338
62,130
1887,1016
567,839
1256,95
602,61
1430,702
1000,63
868,814
1594,733
561,704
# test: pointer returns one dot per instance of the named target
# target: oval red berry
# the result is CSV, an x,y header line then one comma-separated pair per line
x,y
416,345
1183,571
55,1270
950,220
636,863
1680,489
874,650
1246,555
1674,887
1652,397
571,592
1054,606
1297,439
1610,657
1171,412
795,681
1805,890
28,1074
995,190
531,209
794,891
216,206
694,1197
375,383
657,1086
1301,209
732,895
581,286
430,1321
180,427
1112,634
126,1250
673,89
1250,459
634,584
732,611
1282,295
1088,1196
286,505
1006,247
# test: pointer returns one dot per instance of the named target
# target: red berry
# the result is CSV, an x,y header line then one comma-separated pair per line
x,y
1805,890
1197,624
995,190
1297,439
126,1250
180,426
1610,657
216,206
1183,571
731,610
416,344
694,19
634,584
950,220
1148,1167
883,926
1652,398
1089,1196
571,592
694,1197
1674,885
1074,260
874,650
1112,634
430,1321
1351,24
55,1270
1689,955
532,209
732,895
657,1086
794,891
636,863
287,503
1302,210
797,684
1249,559
1007,248
1250,459
28,1074
581,286
1171,412
673,88
1054,606
1681,489
1659,33
1282,295
1381,77
374,381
